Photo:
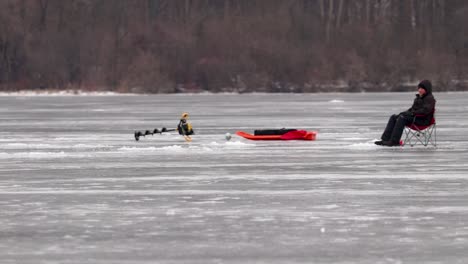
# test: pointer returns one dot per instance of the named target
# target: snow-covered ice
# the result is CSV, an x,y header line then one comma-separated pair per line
x,y
75,187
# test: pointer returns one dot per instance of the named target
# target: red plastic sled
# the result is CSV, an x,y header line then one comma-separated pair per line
x,y
292,135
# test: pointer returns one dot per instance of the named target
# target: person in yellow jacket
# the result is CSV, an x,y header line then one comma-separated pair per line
x,y
184,127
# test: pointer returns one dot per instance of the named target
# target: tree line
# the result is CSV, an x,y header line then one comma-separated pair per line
x,y
166,46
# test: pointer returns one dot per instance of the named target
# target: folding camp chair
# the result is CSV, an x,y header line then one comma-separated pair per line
x,y
415,134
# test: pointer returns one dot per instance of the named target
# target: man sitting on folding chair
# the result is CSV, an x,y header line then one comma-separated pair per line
x,y
423,107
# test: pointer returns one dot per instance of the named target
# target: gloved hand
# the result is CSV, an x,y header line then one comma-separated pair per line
x,y
406,114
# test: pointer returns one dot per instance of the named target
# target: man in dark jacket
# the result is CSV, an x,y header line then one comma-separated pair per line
x,y
423,107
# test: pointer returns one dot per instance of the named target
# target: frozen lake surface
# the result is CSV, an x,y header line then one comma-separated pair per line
x,y
75,187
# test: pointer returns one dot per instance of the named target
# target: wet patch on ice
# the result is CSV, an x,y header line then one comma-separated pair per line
x,y
174,148
34,155
50,146
231,144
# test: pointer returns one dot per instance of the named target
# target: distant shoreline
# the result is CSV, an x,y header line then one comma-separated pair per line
x,y
285,88
108,93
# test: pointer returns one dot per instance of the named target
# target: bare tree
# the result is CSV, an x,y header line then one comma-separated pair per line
x,y
162,45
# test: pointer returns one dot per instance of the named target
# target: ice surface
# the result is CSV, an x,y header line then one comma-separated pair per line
x,y
75,187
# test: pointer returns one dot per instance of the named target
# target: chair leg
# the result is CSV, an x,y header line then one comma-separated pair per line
x,y
431,135
425,137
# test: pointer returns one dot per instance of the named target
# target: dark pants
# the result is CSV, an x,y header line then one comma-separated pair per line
x,y
395,126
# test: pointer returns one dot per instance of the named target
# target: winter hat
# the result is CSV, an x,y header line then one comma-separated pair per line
x,y
426,85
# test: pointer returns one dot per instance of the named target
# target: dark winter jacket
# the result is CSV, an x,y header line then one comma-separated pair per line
x,y
424,105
